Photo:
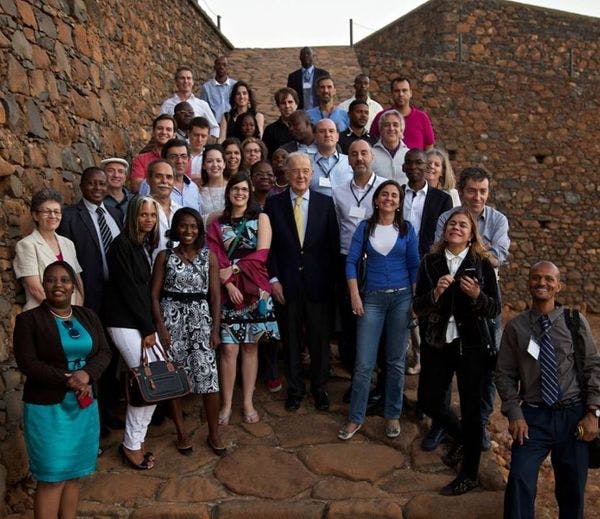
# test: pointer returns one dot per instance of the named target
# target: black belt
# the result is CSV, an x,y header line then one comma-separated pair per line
x,y
563,404
186,297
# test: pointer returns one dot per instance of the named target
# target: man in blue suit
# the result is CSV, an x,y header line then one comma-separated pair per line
x,y
302,263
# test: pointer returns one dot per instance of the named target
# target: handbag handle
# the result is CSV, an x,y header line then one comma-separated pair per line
x,y
156,347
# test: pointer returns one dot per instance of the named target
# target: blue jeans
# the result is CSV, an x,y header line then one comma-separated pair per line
x,y
550,431
392,311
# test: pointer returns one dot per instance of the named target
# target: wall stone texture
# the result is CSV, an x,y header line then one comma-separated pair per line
x,y
533,127
82,80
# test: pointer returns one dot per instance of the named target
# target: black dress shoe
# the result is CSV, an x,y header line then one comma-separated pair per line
x,y
322,401
454,456
292,403
375,405
486,441
433,438
461,485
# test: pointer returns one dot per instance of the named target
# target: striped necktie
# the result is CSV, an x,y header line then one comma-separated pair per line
x,y
551,392
105,233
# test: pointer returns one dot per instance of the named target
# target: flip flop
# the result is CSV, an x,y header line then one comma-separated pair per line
x,y
144,465
252,417
224,420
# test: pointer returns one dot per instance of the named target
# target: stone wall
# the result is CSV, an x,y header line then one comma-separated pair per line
x,y
497,33
540,139
80,80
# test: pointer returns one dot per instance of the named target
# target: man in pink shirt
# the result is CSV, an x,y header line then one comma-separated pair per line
x,y
418,132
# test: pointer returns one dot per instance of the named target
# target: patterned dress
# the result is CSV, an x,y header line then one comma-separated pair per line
x,y
250,323
184,306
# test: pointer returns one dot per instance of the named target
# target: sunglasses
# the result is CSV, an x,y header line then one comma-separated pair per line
x,y
73,332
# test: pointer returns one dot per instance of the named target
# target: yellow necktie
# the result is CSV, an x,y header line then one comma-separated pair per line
x,y
299,218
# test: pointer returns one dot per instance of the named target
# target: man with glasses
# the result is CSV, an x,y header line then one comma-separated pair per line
x,y
185,192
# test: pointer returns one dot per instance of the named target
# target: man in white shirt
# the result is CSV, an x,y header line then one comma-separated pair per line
x,y
184,82
353,200
330,167
216,91
198,137
361,92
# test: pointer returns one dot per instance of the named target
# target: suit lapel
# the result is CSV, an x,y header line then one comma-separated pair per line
x,y
313,214
84,214
43,249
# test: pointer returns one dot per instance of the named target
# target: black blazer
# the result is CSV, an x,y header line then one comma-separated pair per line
x,y
40,355
313,264
295,81
127,301
470,315
436,203
77,225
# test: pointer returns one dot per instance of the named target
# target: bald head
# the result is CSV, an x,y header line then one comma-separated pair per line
x,y
326,136
360,158
544,284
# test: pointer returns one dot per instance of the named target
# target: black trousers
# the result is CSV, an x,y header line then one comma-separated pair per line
x,y
436,373
347,338
305,322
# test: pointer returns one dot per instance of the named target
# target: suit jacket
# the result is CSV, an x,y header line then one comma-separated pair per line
x,y
311,265
77,225
295,81
470,315
40,355
436,203
33,255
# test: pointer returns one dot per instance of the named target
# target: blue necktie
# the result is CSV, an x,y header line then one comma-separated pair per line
x,y
551,392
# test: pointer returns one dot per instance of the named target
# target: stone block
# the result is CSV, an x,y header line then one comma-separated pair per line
x,y
192,489
14,457
373,509
36,126
46,24
483,505
17,77
21,46
123,488
267,509
26,14
172,511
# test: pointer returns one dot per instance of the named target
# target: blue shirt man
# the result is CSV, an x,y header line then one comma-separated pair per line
x,y
216,91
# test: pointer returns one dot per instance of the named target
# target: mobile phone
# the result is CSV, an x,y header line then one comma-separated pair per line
x,y
471,272
85,400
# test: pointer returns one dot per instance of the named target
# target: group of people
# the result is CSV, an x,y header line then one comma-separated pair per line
x,y
227,235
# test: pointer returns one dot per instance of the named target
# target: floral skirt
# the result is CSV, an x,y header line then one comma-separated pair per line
x,y
249,324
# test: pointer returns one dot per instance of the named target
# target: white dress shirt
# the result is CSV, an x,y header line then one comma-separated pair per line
x,y
453,263
414,202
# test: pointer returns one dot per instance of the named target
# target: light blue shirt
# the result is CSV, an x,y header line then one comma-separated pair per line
x,y
190,197
337,115
493,227
329,172
217,96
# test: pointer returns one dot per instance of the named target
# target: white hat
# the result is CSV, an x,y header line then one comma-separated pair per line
x,y
114,159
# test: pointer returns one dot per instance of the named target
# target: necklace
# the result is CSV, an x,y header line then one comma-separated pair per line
x,y
277,184
63,317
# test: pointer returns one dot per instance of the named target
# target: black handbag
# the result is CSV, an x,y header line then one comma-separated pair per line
x,y
361,267
154,382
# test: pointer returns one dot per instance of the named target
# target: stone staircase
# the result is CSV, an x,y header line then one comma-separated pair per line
x,y
266,70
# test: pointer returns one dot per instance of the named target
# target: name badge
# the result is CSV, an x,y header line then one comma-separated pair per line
x,y
324,182
358,212
533,348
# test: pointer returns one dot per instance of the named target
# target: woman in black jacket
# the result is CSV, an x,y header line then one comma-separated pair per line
x,y
128,314
62,351
456,299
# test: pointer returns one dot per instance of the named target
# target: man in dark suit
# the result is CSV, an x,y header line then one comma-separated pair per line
x,y
304,80
423,204
302,263
82,224
92,226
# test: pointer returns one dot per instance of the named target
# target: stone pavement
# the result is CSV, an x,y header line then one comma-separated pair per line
x,y
291,465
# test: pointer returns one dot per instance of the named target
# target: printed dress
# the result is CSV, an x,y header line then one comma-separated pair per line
x,y
256,320
185,310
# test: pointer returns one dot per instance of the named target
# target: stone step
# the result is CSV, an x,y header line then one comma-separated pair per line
x,y
266,70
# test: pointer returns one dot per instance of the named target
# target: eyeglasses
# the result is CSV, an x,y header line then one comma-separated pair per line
x,y
47,213
73,332
175,156
240,189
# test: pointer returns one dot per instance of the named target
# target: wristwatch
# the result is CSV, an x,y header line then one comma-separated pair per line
x,y
595,411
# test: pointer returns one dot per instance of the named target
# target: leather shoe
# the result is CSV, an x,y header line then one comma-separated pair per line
x,y
433,438
322,401
486,441
460,485
375,405
292,403
454,456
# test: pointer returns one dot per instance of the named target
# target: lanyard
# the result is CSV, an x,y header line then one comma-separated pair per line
x,y
328,171
365,195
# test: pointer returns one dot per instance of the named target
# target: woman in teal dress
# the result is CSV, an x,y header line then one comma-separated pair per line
x,y
240,238
62,351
